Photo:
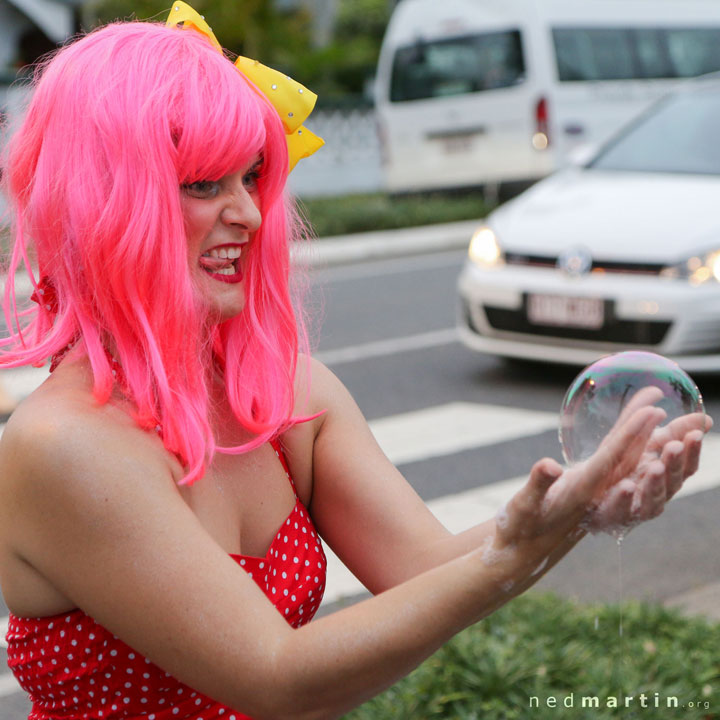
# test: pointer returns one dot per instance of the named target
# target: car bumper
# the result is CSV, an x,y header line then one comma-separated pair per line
x,y
647,312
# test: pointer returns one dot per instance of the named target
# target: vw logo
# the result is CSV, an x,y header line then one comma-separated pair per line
x,y
575,261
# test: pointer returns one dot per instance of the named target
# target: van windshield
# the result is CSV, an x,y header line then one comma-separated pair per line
x,y
586,54
677,136
457,65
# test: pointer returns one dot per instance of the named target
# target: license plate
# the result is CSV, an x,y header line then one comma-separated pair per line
x,y
457,144
562,311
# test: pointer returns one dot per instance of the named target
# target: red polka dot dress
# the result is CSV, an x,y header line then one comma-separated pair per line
x,y
74,669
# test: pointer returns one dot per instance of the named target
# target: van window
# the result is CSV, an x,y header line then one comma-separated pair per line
x,y
457,65
584,54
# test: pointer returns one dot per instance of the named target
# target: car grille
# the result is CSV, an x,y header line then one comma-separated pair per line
x,y
626,332
598,266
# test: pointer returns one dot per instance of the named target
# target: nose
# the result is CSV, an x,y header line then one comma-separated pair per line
x,y
241,210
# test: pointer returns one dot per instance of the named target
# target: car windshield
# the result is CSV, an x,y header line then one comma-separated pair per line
x,y
678,136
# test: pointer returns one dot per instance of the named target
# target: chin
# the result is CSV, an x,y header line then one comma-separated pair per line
x,y
226,311
223,300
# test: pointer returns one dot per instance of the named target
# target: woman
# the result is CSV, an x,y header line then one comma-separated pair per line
x,y
156,557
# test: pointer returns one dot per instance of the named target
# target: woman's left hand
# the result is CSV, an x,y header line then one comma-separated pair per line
x,y
671,456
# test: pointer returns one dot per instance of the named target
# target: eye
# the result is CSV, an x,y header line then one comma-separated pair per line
x,y
202,189
250,179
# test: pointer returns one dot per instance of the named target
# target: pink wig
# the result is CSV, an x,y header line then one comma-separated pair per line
x,y
117,122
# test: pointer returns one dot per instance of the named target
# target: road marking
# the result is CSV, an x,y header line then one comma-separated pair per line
x,y
393,346
447,429
462,510
9,685
20,382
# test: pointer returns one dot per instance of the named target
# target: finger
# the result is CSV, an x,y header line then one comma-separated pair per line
x,y
680,427
615,510
673,457
650,498
517,516
528,501
648,395
543,474
620,451
693,445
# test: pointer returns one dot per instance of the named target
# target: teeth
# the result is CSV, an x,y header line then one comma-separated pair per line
x,y
233,252
224,271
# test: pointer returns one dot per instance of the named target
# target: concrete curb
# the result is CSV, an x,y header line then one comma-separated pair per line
x,y
345,249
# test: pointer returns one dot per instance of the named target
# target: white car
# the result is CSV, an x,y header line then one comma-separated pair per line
x,y
621,253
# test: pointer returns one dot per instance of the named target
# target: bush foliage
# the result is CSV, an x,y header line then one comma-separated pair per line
x,y
541,646
379,211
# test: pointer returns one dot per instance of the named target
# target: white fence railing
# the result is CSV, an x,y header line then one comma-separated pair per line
x,y
350,160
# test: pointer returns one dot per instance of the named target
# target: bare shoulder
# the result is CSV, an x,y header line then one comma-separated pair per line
x,y
324,391
61,430
62,451
323,396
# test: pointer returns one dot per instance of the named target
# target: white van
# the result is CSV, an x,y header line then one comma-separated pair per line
x,y
474,92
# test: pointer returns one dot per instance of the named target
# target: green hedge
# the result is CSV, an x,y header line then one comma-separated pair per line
x,y
379,211
544,647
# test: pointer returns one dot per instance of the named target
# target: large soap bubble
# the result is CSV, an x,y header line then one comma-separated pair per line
x,y
603,390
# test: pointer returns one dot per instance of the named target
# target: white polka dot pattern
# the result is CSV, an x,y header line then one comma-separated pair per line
x,y
292,573
74,669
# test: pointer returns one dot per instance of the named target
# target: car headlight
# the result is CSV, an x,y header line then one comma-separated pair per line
x,y
697,270
484,248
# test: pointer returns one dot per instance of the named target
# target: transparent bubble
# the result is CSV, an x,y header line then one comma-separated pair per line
x,y
602,390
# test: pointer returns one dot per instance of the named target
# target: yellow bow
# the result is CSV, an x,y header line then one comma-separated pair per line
x,y
292,101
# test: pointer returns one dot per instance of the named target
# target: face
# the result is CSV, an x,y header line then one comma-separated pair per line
x,y
221,218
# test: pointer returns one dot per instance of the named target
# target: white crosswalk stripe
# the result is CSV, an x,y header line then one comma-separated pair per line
x,y
461,511
20,382
383,348
447,429
8,685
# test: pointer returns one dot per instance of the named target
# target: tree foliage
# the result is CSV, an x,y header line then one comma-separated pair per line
x,y
280,38
254,28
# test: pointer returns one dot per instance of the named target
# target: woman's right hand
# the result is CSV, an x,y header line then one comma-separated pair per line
x,y
623,483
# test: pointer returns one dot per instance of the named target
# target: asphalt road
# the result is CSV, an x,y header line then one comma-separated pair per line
x,y
387,332
675,553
